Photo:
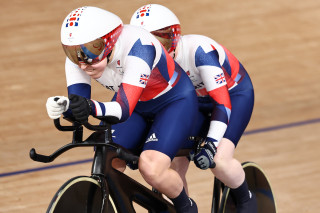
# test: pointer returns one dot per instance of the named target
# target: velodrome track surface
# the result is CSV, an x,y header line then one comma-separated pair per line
x,y
277,41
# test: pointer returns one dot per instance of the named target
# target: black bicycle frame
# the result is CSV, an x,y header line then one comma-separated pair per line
x,y
123,189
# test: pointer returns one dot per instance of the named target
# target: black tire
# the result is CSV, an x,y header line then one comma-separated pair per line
x,y
80,195
258,184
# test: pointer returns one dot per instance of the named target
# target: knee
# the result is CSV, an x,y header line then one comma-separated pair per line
x,y
226,166
224,156
152,167
149,170
221,162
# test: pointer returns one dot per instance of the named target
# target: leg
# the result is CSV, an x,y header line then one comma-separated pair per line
x,y
228,169
169,131
230,172
155,169
181,165
200,128
129,134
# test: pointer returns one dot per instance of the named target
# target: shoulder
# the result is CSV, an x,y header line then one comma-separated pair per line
x,y
132,36
133,33
74,74
202,49
196,39
69,65
201,41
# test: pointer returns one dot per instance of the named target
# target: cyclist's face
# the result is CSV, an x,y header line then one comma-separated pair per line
x,y
95,70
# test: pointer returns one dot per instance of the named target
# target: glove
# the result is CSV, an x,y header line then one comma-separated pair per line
x,y
80,107
203,159
56,106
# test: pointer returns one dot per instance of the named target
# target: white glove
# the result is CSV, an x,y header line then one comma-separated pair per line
x,y
56,106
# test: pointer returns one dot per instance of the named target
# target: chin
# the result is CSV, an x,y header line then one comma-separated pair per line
x,y
95,76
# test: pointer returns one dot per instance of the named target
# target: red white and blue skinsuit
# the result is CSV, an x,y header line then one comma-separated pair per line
x,y
148,85
222,84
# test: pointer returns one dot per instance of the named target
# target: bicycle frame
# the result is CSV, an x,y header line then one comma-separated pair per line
x,y
123,189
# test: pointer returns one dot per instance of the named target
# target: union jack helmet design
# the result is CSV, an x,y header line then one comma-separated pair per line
x,y
88,34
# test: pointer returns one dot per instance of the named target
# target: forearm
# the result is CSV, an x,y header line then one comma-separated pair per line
x,y
105,109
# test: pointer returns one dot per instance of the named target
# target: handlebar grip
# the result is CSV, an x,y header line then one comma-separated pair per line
x,y
107,121
95,127
58,125
127,156
40,158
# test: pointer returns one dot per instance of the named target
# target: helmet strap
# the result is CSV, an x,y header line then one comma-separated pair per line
x,y
175,53
108,56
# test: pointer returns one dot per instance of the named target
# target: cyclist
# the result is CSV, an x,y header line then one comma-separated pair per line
x,y
148,84
225,96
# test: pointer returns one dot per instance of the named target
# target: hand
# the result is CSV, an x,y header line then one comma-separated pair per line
x,y
204,157
56,106
80,107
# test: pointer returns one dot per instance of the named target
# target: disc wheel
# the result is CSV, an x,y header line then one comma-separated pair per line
x,y
80,195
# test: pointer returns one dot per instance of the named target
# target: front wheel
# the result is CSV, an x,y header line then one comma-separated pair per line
x,y
258,184
80,195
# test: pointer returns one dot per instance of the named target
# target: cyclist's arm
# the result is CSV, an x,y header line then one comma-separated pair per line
x,y
214,80
78,82
137,70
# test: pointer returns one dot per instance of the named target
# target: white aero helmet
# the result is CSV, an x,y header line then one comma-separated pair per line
x,y
88,34
161,22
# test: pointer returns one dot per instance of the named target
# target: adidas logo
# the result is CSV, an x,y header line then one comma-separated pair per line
x,y
152,137
112,131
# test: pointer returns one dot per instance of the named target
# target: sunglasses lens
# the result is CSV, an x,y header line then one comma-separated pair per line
x,y
89,53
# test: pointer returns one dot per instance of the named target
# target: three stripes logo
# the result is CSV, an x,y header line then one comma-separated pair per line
x,y
152,137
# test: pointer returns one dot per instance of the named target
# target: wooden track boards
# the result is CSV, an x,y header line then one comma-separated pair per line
x,y
277,41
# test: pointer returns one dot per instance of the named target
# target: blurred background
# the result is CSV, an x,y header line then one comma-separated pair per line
x,y
277,41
